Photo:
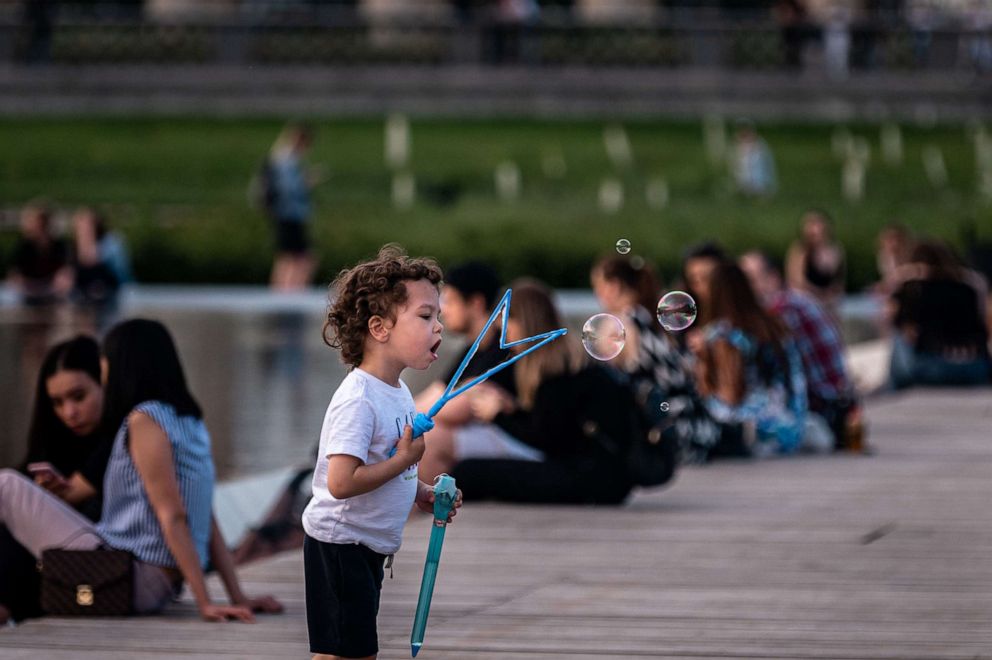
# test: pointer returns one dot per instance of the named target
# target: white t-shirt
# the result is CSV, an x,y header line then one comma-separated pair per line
x,y
365,419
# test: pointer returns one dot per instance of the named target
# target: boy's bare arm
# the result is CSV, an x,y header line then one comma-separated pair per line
x,y
347,476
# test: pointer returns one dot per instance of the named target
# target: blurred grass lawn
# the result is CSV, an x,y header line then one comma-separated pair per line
x,y
177,188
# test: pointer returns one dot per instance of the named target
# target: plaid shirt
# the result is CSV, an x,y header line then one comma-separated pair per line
x,y
819,342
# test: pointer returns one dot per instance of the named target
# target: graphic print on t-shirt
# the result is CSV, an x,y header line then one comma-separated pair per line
x,y
401,423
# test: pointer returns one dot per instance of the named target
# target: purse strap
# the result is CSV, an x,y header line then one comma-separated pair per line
x,y
79,532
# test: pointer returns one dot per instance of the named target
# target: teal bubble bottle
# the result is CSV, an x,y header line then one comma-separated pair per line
x,y
444,500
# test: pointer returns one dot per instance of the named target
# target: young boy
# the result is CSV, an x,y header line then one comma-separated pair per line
x,y
384,320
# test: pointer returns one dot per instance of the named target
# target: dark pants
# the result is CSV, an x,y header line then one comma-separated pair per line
x,y
20,581
834,413
555,481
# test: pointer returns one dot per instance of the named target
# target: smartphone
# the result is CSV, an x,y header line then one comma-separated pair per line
x,y
44,468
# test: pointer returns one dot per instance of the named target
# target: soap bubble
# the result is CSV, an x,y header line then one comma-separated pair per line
x,y
623,246
676,311
603,336
665,407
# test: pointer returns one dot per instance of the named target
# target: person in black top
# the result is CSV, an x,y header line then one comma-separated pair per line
x,y
575,413
40,269
815,264
65,435
657,369
941,337
467,298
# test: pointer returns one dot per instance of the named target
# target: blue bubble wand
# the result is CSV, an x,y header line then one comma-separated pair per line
x,y
444,486
423,423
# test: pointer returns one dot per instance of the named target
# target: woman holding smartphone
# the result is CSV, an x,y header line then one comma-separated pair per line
x,y
158,441
64,439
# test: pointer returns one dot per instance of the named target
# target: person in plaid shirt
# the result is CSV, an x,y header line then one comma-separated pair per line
x,y
817,338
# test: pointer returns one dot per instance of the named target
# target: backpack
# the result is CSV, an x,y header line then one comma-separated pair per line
x,y
654,456
262,191
651,455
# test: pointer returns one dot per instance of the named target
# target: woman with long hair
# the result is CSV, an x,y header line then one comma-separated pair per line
x,y
748,369
64,438
65,429
659,371
576,414
157,487
937,311
815,263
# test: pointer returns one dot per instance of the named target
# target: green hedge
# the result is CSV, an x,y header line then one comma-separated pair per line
x,y
177,189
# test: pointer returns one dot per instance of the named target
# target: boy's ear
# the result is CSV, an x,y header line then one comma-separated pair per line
x,y
378,329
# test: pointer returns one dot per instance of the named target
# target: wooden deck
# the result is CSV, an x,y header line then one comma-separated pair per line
x,y
837,557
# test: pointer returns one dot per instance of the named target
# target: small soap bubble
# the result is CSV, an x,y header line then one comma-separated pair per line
x,y
676,311
664,406
623,246
603,336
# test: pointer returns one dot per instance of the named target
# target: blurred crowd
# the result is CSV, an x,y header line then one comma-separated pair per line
x,y
88,267
761,372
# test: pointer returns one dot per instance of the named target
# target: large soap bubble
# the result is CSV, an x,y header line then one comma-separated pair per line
x,y
676,311
603,336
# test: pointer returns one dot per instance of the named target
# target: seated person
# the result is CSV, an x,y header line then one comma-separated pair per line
x,y
816,263
40,270
658,370
941,337
65,434
470,290
748,370
160,464
817,339
580,418
101,259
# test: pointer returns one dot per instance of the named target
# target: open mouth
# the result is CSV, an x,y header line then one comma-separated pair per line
x,y
434,348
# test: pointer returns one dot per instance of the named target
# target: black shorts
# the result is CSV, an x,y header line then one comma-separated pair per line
x,y
291,236
343,582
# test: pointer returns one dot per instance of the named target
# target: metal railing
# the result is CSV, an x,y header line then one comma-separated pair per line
x,y
344,35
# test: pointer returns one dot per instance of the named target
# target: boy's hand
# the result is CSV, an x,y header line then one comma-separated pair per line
x,y
408,450
425,500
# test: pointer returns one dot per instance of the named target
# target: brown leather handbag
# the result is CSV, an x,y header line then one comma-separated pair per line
x,y
87,582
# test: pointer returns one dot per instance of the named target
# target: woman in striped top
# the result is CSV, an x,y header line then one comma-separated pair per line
x,y
158,487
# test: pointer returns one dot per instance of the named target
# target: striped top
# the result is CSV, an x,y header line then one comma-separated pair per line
x,y
128,521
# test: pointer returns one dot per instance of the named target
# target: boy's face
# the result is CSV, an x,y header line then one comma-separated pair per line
x,y
416,335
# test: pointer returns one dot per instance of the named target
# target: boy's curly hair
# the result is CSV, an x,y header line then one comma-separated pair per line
x,y
372,288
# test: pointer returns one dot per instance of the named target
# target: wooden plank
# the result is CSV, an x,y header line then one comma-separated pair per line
x,y
808,558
